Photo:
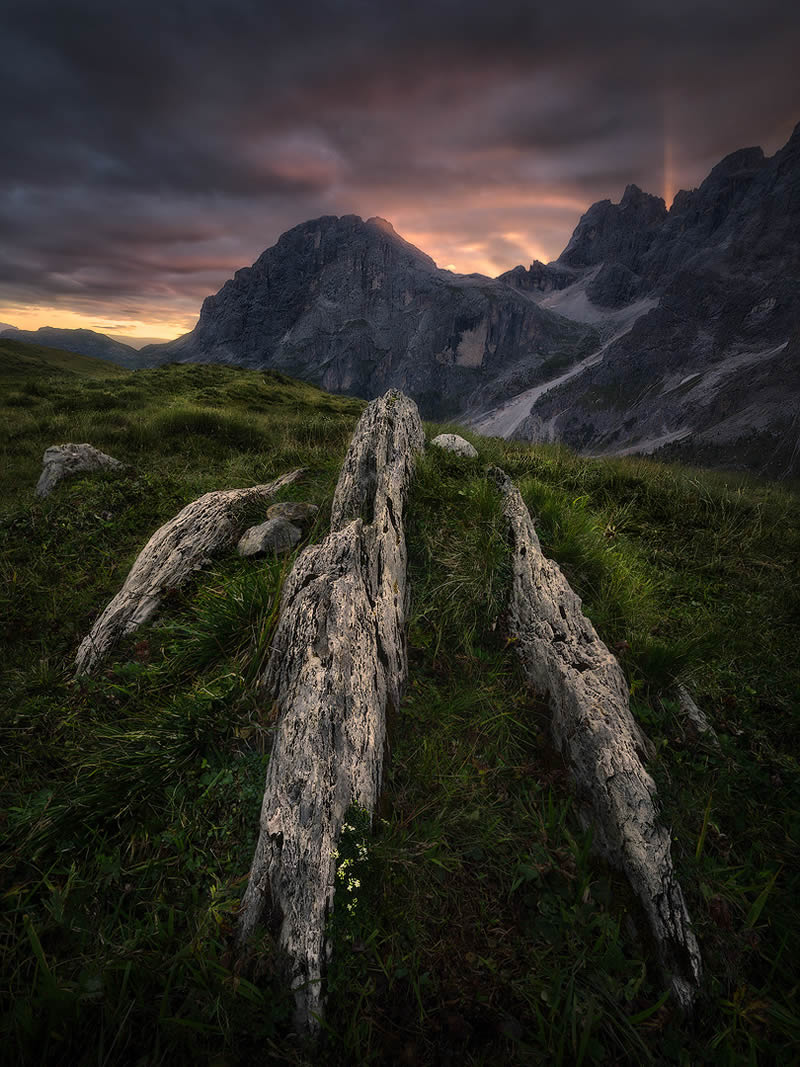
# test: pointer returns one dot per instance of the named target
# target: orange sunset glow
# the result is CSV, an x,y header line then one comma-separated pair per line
x,y
483,138
32,318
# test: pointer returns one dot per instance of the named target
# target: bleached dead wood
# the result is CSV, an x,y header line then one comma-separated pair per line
x,y
175,552
563,657
338,663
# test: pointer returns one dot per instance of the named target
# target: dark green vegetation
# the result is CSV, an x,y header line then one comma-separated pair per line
x,y
26,361
481,929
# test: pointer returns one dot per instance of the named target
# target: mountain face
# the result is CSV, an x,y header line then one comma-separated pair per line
x,y
85,342
700,310
671,331
352,307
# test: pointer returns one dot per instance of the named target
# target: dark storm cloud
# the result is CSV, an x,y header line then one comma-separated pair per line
x,y
149,149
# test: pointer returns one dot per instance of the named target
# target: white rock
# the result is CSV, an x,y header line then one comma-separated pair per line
x,y
451,442
275,536
65,461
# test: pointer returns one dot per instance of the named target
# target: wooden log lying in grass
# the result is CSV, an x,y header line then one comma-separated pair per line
x,y
592,725
174,553
338,662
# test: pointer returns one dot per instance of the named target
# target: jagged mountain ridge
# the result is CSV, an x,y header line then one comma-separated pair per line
x,y
654,329
84,342
710,371
352,307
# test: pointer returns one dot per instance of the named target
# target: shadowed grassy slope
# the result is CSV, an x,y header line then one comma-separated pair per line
x,y
481,930
21,359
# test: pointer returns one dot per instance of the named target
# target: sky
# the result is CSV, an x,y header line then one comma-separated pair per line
x,y
150,149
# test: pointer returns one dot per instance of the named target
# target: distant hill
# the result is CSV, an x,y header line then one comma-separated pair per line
x,y
6,326
84,342
20,358
139,342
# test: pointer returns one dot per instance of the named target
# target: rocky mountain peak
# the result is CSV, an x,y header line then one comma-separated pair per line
x,y
326,238
788,159
383,224
615,232
711,369
352,306
647,204
743,161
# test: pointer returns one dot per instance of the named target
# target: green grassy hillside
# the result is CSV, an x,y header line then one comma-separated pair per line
x,y
485,931
19,359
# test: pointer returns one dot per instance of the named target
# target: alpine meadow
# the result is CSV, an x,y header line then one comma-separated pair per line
x,y
476,917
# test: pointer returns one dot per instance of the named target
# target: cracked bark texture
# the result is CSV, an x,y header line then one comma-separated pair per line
x,y
175,552
592,725
338,663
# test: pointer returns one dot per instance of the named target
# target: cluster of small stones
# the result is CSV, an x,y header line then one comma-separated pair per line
x,y
280,533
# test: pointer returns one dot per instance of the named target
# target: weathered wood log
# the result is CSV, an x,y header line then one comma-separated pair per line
x,y
592,725
175,552
338,663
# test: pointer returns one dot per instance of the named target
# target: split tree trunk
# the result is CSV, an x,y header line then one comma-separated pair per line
x,y
174,553
592,725
338,662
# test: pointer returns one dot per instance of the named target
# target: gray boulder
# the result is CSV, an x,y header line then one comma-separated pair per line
x,y
294,511
65,461
273,537
451,442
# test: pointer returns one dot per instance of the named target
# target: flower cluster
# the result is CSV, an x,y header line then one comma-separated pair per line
x,y
349,867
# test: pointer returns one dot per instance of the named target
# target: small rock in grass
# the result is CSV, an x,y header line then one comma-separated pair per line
x,y
295,511
275,536
65,461
451,442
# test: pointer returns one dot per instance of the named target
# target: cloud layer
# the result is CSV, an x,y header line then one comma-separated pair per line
x,y
151,149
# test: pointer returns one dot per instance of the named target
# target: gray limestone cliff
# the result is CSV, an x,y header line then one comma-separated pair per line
x,y
700,311
352,307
